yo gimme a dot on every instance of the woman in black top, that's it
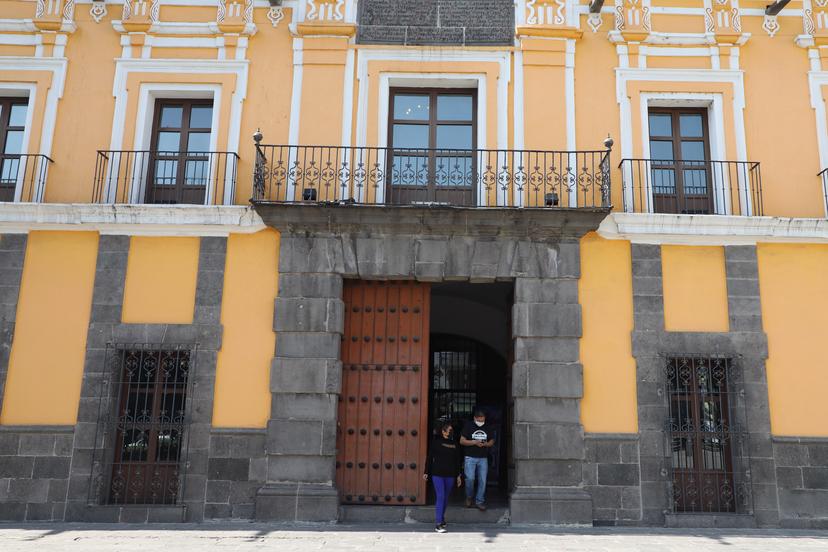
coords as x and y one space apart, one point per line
443 465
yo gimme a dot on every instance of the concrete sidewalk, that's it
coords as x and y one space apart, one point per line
391 538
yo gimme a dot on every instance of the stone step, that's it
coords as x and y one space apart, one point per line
422 514
710 521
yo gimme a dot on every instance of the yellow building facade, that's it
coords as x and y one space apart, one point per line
252 252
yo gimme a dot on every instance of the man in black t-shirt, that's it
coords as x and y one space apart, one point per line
476 438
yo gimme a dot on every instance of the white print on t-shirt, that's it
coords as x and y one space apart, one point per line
479 435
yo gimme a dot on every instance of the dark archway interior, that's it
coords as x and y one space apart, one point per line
470 365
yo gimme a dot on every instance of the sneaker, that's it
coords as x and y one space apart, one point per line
468 502
444 525
481 507
440 529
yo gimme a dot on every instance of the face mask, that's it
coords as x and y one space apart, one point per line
479 424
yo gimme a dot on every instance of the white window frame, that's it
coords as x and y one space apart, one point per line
149 95
28 91
715 125
143 130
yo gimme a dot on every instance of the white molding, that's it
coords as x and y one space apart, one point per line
296 92
502 58
711 229
733 77
123 67
58 67
198 3
388 80
135 220
816 80
569 102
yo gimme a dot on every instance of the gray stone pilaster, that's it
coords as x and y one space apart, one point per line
12 255
802 478
547 385
105 327
305 376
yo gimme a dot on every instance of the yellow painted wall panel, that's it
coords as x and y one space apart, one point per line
605 293
47 356
695 289
793 284
160 280
242 396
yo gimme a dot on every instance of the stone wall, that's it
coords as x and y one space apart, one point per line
12 254
745 344
443 22
236 469
802 477
34 472
612 477
537 249
105 327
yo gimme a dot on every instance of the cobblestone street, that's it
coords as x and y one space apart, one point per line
392 538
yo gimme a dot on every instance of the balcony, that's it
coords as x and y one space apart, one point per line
194 178
431 177
692 187
23 177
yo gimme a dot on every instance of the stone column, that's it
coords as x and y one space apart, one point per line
547 388
12 254
305 384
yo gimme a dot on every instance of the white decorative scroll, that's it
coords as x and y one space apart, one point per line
275 14
98 10
771 25
69 11
722 16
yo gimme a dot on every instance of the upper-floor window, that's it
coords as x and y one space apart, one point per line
431 136
180 161
680 154
12 129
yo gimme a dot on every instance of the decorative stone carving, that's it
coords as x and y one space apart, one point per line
722 17
51 15
594 21
140 15
632 19
325 10
234 16
815 19
98 10
546 12
770 25
275 14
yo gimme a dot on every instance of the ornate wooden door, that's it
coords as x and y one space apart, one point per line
383 411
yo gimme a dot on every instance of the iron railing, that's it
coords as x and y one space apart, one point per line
23 177
692 187
823 174
141 444
196 178
707 435
484 178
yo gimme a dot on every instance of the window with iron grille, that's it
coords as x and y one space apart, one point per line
142 438
706 435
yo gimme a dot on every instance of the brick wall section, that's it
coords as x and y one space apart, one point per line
235 470
802 477
12 254
34 472
105 327
612 478
443 22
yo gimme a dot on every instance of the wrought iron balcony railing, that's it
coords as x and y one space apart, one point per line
385 176
824 175
196 178
23 177
692 187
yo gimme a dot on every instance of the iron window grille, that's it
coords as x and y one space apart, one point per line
142 438
707 436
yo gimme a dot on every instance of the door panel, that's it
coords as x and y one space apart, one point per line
381 430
